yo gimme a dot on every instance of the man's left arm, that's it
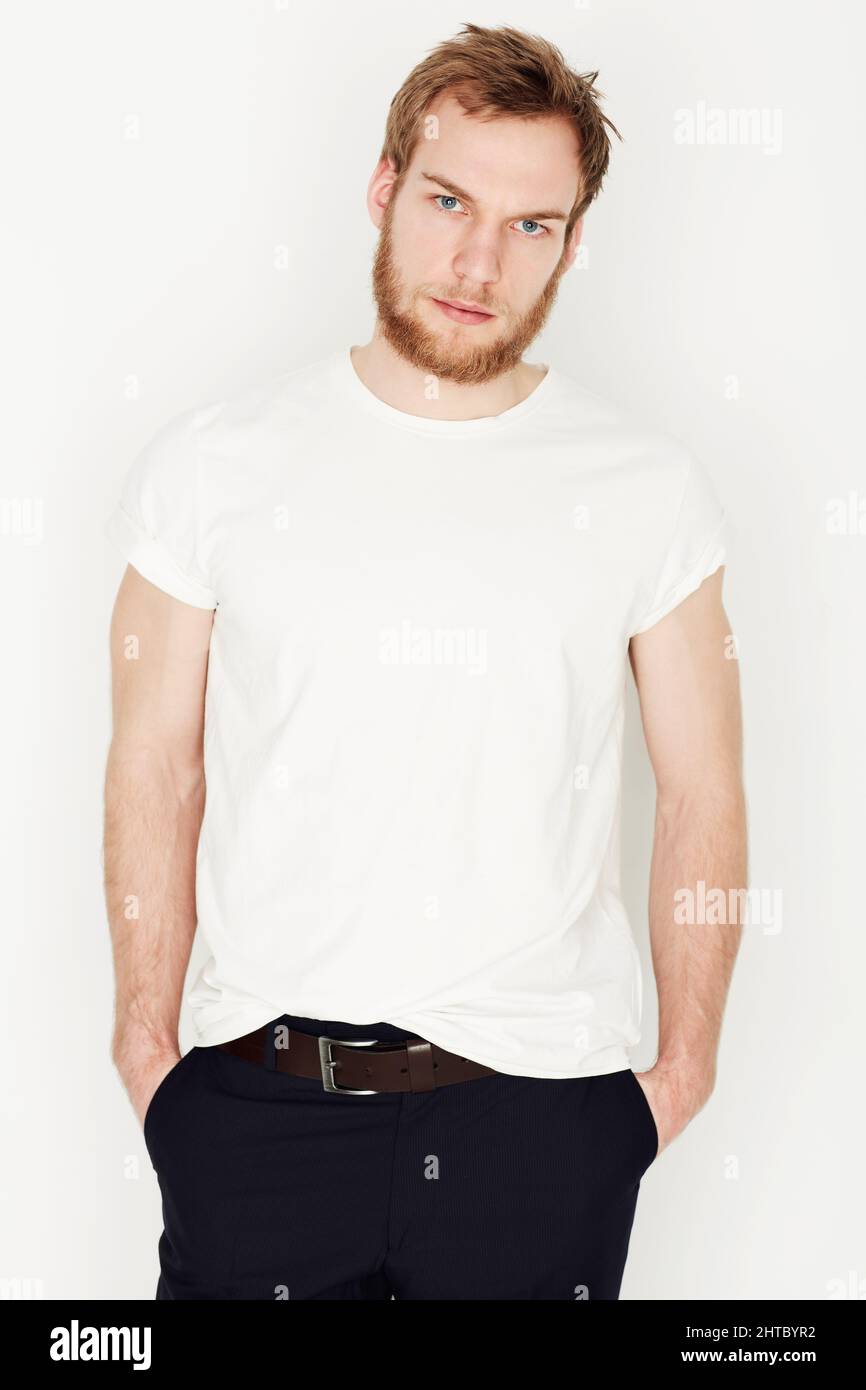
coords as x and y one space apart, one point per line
688 684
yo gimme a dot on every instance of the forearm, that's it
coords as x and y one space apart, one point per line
702 839
152 823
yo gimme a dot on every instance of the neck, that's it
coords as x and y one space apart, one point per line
405 387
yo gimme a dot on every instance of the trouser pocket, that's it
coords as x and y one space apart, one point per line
647 1119
160 1096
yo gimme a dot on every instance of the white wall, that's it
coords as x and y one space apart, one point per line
157 156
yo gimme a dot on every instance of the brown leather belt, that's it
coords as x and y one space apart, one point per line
358 1068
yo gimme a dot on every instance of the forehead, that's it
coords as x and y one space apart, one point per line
505 159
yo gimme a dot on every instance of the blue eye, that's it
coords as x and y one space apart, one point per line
535 234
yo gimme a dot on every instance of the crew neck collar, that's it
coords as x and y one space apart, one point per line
349 381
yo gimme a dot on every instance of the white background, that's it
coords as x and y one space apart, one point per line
162 163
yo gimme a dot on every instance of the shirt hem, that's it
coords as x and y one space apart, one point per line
244 1021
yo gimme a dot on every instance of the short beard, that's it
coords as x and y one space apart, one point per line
409 338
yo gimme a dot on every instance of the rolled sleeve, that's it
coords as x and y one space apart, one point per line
697 549
156 522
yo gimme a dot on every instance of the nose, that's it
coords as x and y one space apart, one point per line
477 263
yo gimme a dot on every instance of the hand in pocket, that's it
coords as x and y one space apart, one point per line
652 1114
143 1076
674 1095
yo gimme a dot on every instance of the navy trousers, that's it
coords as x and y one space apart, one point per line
502 1187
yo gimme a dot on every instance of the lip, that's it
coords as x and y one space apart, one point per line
462 312
461 304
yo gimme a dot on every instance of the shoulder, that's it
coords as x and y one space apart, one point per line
622 438
267 401
650 471
226 427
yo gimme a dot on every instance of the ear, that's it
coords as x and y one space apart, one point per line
379 190
573 243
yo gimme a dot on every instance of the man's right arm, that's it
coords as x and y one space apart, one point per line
154 801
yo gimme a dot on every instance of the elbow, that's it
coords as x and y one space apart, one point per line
717 801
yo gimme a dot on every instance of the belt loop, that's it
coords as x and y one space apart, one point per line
422 1076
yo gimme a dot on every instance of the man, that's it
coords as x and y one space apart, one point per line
382 608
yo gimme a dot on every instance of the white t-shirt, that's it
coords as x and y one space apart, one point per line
415 698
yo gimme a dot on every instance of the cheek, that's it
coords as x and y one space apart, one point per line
413 249
426 251
530 274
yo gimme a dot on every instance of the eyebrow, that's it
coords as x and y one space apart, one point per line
549 215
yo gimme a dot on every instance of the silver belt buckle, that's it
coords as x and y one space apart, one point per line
328 1065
